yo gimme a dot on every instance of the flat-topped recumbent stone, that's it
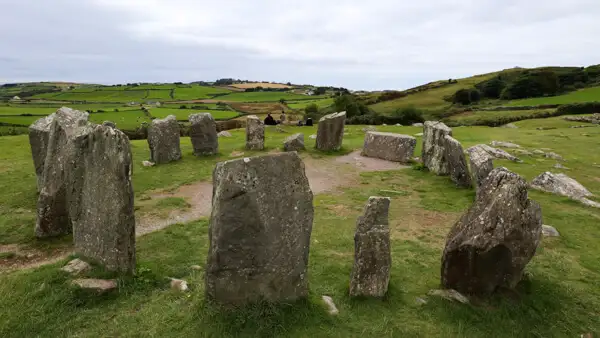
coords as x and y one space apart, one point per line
389 146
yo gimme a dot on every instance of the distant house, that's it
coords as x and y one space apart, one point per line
16 98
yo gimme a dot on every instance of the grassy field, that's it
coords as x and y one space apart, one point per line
582 95
98 96
196 92
263 97
159 95
126 120
302 104
9 110
560 296
183 114
485 117
260 84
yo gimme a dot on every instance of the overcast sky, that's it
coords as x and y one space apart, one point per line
358 44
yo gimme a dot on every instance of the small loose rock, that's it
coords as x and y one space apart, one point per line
549 231
331 308
179 285
76 267
449 294
148 164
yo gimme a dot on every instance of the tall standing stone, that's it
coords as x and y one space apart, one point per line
52 206
101 198
372 256
255 133
39 133
493 241
163 139
203 134
389 146
259 234
434 147
481 164
457 162
330 132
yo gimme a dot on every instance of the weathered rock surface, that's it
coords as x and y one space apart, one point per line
148 164
549 231
510 125
434 147
76 267
255 133
294 143
369 128
389 146
101 198
331 308
109 124
52 206
494 240
449 294
98 285
259 234
554 156
523 152
481 165
163 139
39 133
560 184
594 118
457 163
372 256
495 153
538 152
504 144
179 285
203 134
224 133
330 132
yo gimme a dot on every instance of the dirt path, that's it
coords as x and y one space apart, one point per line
324 175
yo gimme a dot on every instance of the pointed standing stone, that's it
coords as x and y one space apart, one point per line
372 256
101 198
52 206
255 133
481 164
330 132
163 139
203 134
457 163
39 133
259 233
434 147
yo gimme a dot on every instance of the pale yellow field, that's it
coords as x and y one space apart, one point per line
259 84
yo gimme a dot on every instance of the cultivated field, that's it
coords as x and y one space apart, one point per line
260 84
582 95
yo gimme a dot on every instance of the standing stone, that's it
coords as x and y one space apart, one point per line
255 133
52 205
389 146
459 172
434 143
494 240
203 133
39 133
163 139
294 143
372 256
481 164
101 198
259 234
330 132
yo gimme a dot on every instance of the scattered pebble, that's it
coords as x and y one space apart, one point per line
76 267
179 285
148 164
549 231
449 294
332 309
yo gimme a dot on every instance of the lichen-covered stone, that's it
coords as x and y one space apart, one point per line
434 151
389 146
459 172
203 134
39 133
503 144
372 256
101 198
481 165
493 241
294 143
259 233
560 184
255 133
330 132
163 139
52 205
495 152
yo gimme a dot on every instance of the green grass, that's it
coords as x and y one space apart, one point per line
263 97
126 120
19 120
302 104
183 114
159 95
172 203
485 117
195 92
579 96
559 298
113 95
5 110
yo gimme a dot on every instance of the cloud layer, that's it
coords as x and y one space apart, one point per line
376 44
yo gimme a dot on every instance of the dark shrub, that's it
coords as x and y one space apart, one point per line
408 115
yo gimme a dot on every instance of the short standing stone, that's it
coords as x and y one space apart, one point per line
294 143
493 241
259 234
372 255
330 132
101 199
163 139
389 146
481 164
52 205
434 144
255 133
39 133
459 172
203 134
